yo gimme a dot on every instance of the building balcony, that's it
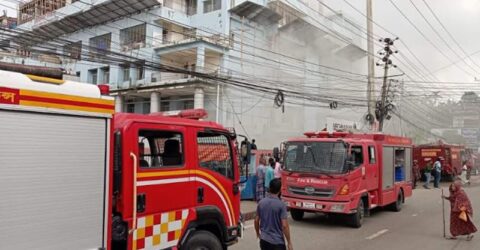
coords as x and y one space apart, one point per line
174 35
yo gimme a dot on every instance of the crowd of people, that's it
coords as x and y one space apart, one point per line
271 224
434 169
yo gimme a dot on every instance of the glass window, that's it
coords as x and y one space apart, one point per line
211 5
157 149
93 75
371 154
357 155
106 75
319 157
125 71
214 153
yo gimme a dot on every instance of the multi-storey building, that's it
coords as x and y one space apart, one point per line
238 49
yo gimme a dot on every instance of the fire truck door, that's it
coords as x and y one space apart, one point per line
217 178
371 168
164 183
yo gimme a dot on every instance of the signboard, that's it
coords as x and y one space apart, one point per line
334 124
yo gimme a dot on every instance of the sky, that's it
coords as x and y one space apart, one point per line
460 17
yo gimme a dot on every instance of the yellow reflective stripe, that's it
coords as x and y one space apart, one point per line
66 97
187 172
65 106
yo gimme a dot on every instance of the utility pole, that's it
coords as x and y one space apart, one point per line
371 66
387 63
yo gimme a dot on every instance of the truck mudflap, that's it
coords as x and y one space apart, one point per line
343 207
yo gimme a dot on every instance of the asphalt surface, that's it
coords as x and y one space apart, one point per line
418 226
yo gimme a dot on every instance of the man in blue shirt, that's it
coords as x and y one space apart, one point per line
269 173
271 222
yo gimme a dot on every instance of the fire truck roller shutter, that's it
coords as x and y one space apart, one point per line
388 168
52 174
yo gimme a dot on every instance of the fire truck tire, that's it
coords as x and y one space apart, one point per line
397 205
297 214
356 219
203 240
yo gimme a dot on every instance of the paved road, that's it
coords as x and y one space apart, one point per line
417 226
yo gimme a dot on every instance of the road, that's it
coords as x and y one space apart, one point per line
417 226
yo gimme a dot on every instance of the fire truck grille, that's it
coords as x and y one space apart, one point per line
308 191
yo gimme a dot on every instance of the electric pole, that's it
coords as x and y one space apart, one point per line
382 111
371 66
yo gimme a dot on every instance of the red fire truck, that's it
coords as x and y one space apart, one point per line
451 156
74 175
346 174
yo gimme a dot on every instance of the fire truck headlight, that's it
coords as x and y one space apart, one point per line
337 208
345 190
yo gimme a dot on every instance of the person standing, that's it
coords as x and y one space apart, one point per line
277 170
271 224
463 175
253 146
469 164
437 170
461 212
416 173
261 169
269 173
428 174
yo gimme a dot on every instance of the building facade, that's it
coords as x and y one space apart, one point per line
229 57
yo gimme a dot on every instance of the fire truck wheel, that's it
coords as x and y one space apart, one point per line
297 214
356 219
397 206
203 240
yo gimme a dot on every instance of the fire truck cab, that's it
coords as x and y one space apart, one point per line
74 175
346 174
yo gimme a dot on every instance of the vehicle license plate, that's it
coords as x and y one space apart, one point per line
308 205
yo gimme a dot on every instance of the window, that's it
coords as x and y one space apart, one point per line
140 73
130 108
357 155
165 36
157 149
125 71
93 76
99 45
214 153
165 104
191 7
188 104
371 155
133 37
73 50
105 73
211 5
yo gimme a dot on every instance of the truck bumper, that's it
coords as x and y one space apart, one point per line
343 207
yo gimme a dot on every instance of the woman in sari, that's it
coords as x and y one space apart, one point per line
461 212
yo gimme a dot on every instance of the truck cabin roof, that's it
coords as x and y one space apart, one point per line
124 119
352 138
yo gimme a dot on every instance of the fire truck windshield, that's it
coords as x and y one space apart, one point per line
316 157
